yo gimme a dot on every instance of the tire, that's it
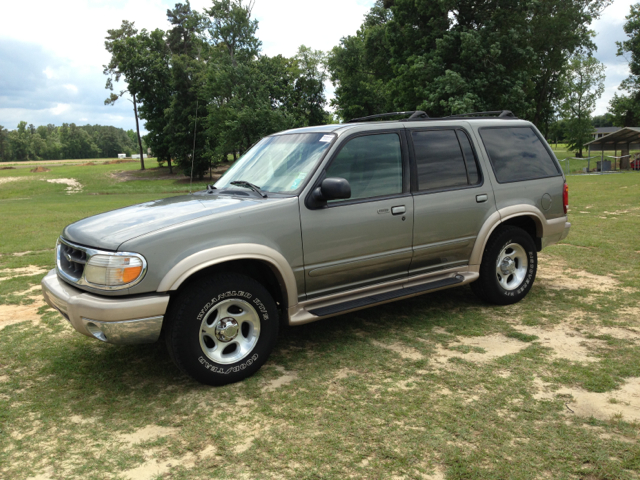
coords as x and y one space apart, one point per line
508 268
222 329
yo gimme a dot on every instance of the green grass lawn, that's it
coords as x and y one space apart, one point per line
438 386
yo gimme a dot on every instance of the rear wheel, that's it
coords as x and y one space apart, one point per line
508 268
222 330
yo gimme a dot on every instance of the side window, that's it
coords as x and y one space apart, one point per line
517 154
371 164
444 159
469 157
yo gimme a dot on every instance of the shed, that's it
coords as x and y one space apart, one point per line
625 139
122 155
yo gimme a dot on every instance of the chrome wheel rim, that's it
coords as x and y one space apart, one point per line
511 266
229 331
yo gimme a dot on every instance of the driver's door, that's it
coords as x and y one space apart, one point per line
366 239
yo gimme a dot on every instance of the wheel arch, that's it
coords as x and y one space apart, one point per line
259 262
527 217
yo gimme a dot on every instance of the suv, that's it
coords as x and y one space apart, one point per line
311 223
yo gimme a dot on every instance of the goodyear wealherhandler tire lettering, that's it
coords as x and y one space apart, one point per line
508 268
222 329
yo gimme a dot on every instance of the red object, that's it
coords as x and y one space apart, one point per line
565 197
635 165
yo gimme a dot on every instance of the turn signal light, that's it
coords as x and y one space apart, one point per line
113 270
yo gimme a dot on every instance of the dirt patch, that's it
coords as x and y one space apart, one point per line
9 273
150 432
285 379
619 332
10 179
22 254
624 402
12 314
554 273
478 349
115 162
73 186
8 168
88 164
406 352
82 420
40 170
565 342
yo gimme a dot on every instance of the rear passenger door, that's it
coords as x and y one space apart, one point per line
452 199
367 238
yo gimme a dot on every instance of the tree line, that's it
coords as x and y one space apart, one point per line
50 142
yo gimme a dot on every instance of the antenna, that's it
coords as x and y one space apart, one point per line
193 155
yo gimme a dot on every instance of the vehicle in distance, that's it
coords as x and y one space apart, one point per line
311 223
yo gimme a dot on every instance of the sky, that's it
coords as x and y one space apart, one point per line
52 53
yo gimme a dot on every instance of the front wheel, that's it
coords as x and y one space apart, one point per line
508 267
222 330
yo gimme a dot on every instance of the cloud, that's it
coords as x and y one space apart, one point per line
39 87
609 29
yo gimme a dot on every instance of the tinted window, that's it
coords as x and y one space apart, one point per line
372 165
517 153
440 161
469 157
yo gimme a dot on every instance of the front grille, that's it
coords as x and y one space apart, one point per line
71 260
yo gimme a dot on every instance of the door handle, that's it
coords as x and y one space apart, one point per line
399 210
482 198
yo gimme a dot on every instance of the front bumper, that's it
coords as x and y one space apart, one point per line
118 320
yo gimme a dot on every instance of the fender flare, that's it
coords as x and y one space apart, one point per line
500 216
186 267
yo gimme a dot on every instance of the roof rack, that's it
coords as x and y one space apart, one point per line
494 113
414 115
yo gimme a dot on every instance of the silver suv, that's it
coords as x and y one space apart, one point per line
312 223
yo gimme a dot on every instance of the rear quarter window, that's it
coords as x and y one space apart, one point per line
517 154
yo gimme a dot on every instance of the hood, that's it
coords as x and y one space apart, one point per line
110 229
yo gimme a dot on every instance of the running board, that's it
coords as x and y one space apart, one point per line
385 297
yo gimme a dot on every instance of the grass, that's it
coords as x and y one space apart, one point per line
332 402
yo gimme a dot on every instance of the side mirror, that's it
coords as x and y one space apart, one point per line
335 188
332 188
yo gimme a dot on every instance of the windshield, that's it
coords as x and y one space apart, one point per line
279 163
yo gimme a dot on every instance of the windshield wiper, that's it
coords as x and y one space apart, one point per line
251 186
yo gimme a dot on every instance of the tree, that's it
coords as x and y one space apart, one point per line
625 108
309 85
231 26
359 67
121 43
605 120
583 85
185 139
4 144
462 55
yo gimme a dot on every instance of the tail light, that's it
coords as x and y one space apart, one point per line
565 197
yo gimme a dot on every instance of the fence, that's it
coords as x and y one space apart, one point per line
602 166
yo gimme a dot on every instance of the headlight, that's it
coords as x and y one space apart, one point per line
113 270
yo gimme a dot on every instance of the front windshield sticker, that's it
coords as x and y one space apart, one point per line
326 138
296 183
